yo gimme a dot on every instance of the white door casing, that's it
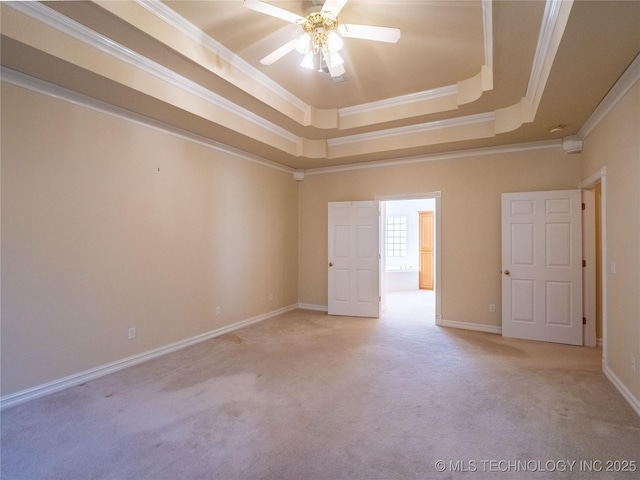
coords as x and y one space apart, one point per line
542 266
589 270
354 259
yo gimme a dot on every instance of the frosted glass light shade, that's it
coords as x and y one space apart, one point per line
334 42
307 61
303 44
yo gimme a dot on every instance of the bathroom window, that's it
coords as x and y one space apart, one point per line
396 236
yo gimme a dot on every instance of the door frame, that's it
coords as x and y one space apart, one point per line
437 257
589 268
587 184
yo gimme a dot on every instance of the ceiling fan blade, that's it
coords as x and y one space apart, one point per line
279 53
368 32
277 12
333 6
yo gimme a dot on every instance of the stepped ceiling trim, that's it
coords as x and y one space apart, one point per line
477 152
45 88
50 17
412 129
509 118
194 66
556 15
181 24
308 112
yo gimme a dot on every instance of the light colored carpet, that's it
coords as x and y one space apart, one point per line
310 396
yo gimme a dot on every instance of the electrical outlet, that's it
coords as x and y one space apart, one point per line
492 308
634 366
132 333
271 297
218 310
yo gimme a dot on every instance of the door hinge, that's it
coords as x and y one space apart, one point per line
584 206
584 263
584 320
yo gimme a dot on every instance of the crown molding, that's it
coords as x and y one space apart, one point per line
55 91
181 24
487 23
302 146
554 21
52 18
411 129
553 24
628 79
436 93
401 101
40 86
520 147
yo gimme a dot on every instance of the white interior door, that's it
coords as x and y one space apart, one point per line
542 266
354 259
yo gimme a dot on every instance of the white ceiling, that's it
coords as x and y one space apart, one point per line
464 74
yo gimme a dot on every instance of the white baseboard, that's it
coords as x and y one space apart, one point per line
471 326
317 308
633 402
78 378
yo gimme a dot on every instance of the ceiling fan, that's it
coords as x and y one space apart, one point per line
322 34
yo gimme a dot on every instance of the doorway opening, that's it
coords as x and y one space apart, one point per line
597 183
592 254
410 266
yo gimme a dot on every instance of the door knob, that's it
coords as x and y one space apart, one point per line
507 272
331 264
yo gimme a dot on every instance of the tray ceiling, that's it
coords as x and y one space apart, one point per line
464 74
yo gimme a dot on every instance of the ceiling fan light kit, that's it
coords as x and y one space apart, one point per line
322 35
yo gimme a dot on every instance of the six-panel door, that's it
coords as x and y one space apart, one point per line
354 259
542 266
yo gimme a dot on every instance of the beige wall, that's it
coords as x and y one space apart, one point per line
615 143
108 224
96 239
470 202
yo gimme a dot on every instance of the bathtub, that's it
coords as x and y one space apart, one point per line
401 278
